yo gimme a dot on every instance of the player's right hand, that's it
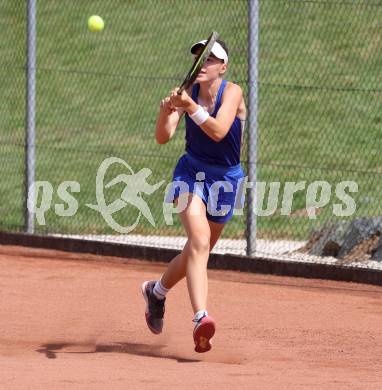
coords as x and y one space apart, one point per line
166 106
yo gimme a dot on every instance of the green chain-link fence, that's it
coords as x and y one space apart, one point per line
98 96
320 100
12 114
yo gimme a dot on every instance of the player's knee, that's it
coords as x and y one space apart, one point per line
199 243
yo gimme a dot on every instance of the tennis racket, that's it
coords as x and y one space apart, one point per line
199 62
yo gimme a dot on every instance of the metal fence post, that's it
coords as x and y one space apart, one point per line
30 134
253 55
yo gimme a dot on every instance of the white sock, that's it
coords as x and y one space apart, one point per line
199 315
160 291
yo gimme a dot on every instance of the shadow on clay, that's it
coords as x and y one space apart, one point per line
52 349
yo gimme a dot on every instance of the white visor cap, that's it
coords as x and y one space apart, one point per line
217 50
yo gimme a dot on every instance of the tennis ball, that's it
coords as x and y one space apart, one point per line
95 23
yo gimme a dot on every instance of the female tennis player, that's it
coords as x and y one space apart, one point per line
215 112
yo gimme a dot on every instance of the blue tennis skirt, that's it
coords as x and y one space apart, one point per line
219 187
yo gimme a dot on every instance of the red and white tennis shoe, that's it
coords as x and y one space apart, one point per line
203 332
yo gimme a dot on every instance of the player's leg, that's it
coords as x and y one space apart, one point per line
177 268
155 292
194 257
196 252
192 261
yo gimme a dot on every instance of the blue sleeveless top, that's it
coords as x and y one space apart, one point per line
200 146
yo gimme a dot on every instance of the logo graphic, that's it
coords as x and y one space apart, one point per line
135 184
221 196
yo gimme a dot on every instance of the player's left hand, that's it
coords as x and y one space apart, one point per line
182 100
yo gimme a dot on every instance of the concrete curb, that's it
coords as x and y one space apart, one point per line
260 265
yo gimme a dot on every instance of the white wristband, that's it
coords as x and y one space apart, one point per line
200 116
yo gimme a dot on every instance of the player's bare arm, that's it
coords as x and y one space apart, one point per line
168 120
216 128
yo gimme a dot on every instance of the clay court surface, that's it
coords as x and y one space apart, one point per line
75 321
